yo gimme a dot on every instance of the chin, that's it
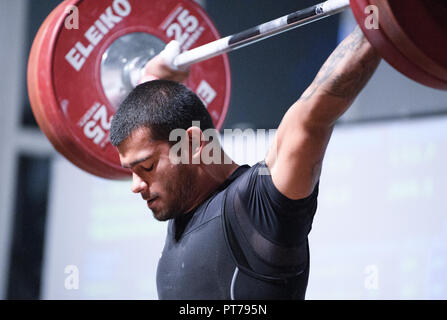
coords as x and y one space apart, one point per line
162 216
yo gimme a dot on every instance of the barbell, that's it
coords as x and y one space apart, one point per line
78 76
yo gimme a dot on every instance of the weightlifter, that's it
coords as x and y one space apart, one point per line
234 232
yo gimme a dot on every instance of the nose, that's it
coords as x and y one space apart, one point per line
138 184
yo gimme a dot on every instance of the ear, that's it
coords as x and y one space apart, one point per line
196 143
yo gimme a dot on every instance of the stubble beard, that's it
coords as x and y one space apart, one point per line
180 191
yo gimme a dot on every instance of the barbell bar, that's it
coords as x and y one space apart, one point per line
117 37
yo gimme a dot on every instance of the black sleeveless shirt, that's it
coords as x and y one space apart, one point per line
246 241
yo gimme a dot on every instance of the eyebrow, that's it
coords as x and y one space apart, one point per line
134 163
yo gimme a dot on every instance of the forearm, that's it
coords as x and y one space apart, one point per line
296 157
339 81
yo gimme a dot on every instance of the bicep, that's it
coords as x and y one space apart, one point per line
296 156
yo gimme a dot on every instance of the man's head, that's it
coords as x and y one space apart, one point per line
161 106
140 130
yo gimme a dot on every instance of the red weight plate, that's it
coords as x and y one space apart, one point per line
389 52
42 99
409 44
424 21
36 89
66 90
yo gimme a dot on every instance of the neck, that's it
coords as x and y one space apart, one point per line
209 178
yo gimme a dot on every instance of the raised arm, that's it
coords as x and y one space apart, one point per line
295 158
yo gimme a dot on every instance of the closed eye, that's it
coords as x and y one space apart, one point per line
148 169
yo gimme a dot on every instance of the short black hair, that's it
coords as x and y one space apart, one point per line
161 106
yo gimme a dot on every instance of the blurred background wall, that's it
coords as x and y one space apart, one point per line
380 231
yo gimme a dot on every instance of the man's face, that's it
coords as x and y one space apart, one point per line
166 187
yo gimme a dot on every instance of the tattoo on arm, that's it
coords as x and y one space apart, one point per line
344 74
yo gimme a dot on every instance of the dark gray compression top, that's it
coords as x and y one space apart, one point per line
246 241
